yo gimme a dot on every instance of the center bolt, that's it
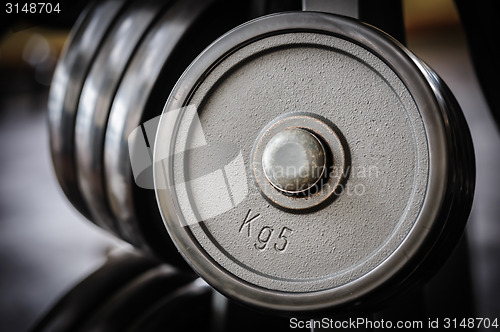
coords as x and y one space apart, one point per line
294 160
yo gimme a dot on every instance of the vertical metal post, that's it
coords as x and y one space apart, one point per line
339 7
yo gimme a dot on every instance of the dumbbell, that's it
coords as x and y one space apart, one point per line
131 292
304 161
308 162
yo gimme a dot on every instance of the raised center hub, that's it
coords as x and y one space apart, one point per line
294 160
298 161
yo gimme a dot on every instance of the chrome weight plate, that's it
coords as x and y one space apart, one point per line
95 102
398 177
76 306
169 47
136 298
187 308
69 76
154 55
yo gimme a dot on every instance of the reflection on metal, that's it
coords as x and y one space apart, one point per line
79 53
134 293
154 61
294 160
96 98
332 176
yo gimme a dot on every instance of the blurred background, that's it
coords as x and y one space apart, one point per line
46 247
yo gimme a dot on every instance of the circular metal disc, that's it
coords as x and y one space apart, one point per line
177 310
95 102
66 87
128 112
394 203
136 298
81 301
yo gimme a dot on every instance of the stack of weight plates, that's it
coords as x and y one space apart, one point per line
115 74
304 161
131 292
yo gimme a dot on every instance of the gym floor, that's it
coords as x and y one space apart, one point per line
46 246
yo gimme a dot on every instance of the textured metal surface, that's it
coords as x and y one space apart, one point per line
403 163
66 87
356 240
95 102
154 55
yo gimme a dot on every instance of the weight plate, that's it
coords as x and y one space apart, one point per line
76 59
79 303
137 297
153 56
407 167
187 308
96 99
170 46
